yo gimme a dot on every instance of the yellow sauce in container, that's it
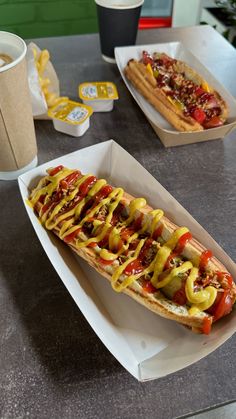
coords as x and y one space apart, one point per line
70 117
99 95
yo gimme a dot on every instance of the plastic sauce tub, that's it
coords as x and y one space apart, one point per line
99 95
70 117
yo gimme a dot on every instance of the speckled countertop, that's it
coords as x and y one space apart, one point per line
52 364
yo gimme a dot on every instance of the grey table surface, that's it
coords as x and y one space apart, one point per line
52 364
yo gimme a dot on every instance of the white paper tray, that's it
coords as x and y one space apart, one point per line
147 345
167 134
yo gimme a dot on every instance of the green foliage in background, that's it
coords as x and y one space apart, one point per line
228 7
41 18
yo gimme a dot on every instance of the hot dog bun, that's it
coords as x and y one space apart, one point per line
169 89
57 215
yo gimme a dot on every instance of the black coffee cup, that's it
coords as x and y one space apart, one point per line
118 24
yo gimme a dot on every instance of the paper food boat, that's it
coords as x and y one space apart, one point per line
147 345
167 134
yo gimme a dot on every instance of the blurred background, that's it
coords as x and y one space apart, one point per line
41 18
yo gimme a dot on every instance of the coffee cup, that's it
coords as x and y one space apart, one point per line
118 24
17 135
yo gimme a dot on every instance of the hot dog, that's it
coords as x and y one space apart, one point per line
138 249
177 91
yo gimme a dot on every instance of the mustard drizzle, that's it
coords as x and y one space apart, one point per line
66 224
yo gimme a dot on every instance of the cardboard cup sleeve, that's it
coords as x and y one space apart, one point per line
17 135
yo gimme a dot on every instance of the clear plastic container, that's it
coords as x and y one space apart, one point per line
71 117
99 95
